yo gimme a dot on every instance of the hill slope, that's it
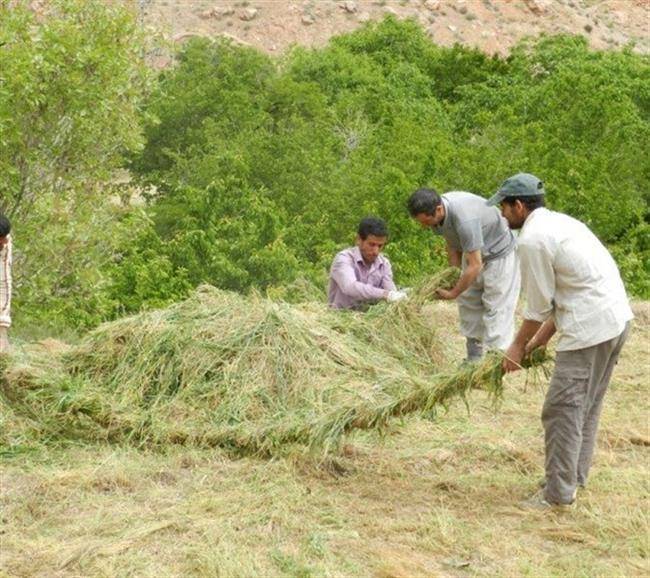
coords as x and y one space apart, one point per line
491 25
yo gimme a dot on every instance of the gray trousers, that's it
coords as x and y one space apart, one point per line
487 307
571 412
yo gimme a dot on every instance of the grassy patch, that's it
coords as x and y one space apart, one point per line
424 498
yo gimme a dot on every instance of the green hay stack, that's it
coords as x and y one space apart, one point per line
244 373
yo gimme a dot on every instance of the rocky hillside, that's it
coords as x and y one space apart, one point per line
491 25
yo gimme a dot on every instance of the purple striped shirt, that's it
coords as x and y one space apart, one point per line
352 282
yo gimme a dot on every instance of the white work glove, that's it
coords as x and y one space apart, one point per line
4 340
394 296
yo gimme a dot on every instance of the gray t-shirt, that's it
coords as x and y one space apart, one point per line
471 225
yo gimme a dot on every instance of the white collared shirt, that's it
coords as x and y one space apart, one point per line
568 273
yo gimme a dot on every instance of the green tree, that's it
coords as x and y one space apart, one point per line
314 141
71 84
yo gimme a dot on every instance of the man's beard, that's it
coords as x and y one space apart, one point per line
516 225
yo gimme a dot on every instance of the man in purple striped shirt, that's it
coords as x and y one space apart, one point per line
361 274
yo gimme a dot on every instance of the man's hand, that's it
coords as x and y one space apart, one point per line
530 346
467 277
394 296
4 340
446 294
542 337
516 351
513 357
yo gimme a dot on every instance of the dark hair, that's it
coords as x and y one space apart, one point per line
5 226
423 201
530 202
372 226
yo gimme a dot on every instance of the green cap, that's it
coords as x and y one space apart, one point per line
520 185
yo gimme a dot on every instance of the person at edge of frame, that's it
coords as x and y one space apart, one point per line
5 282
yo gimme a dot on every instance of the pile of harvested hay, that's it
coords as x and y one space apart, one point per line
243 373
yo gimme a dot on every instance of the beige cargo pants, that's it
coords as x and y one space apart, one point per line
571 412
487 307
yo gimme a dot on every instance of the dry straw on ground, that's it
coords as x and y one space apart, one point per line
244 373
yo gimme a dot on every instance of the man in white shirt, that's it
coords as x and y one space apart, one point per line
5 282
572 285
361 274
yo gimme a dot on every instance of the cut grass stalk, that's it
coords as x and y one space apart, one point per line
245 373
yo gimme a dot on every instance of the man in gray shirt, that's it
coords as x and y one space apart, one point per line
480 242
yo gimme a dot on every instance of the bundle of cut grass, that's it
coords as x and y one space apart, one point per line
246 373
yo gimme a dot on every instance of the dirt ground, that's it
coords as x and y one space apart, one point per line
490 25
430 497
